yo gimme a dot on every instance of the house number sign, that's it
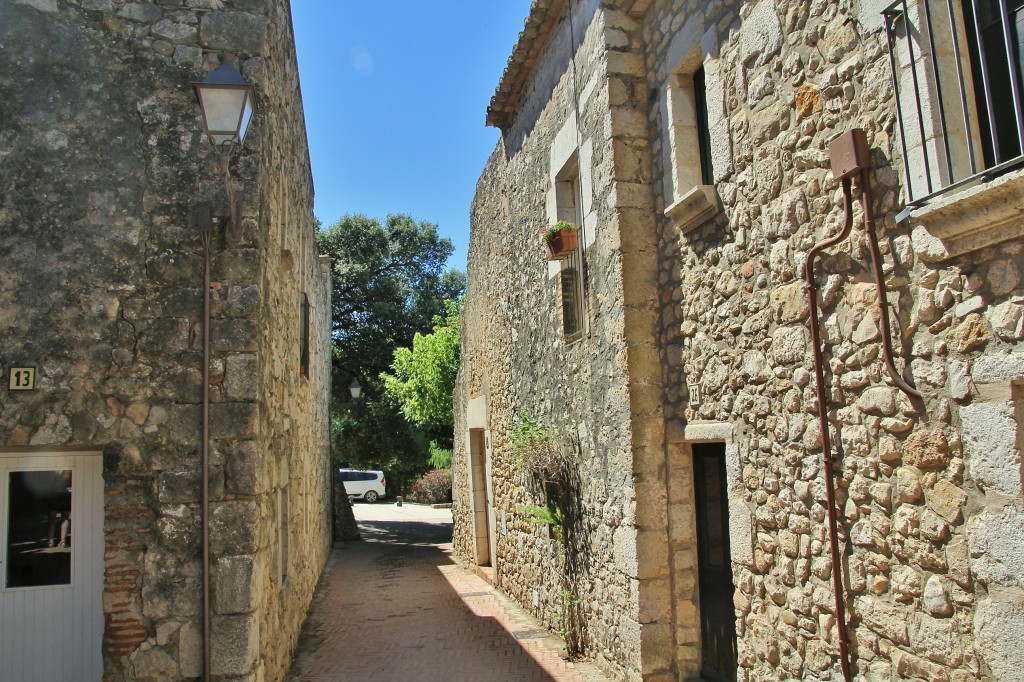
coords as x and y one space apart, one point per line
695 399
22 379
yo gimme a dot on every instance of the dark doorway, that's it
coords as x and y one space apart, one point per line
714 566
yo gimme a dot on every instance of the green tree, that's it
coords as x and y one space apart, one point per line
389 282
423 377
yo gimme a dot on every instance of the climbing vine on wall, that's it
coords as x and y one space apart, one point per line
548 459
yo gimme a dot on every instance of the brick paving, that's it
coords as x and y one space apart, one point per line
395 607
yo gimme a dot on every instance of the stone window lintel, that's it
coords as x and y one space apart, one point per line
694 208
976 217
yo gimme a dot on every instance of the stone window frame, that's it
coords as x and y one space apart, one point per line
741 525
966 212
690 200
304 321
570 197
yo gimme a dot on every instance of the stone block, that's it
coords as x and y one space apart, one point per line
171 584
234 421
234 31
886 619
936 639
179 529
245 468
241 377
908 484
997 546
789 345
1000 630
927 450
151 662
909 666
178 487
241 302
234 334
947 500
235 581
936 596
760 34
990 444
234 644
234 528
656 648
656 600
190 651
183 424
652 554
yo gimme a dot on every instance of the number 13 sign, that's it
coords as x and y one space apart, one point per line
22 379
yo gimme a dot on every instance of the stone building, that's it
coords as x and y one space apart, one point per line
104 172
672 354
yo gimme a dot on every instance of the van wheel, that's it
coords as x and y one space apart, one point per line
371 496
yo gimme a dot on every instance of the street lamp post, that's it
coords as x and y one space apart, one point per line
226 101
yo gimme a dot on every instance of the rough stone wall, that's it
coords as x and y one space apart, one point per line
104 162
512 320
929 494
918 511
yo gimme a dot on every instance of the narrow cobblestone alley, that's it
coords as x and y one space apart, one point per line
394 606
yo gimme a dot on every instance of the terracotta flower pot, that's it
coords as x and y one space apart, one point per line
561 244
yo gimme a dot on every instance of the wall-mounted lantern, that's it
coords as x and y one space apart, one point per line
227 103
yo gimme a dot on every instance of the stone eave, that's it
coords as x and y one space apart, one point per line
541 21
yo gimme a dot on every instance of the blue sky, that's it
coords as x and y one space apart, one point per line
395 95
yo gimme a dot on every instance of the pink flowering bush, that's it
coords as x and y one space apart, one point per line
434 488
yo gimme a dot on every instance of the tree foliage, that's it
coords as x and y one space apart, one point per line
389 282
423 377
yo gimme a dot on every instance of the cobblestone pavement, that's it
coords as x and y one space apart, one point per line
394 607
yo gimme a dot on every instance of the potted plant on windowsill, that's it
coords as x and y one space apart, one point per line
560 239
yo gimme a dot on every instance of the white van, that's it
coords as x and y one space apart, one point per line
363 485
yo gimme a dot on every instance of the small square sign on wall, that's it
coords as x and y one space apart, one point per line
21 379
694 391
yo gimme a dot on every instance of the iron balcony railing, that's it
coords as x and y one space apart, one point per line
957 78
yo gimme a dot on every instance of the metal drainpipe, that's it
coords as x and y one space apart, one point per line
880 290
826 439
206 450
850 156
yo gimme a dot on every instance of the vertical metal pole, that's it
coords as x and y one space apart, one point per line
890 19
826 438
986 85
944 127
917 100
1014 80
206 455
961 83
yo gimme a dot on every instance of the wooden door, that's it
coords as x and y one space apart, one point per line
714 566
51 567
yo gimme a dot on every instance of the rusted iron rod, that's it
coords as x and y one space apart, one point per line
826 439
880 290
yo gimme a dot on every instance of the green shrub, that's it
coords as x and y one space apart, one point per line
435 487
531 444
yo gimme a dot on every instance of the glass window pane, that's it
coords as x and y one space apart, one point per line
38 528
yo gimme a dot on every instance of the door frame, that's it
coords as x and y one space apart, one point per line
82 633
